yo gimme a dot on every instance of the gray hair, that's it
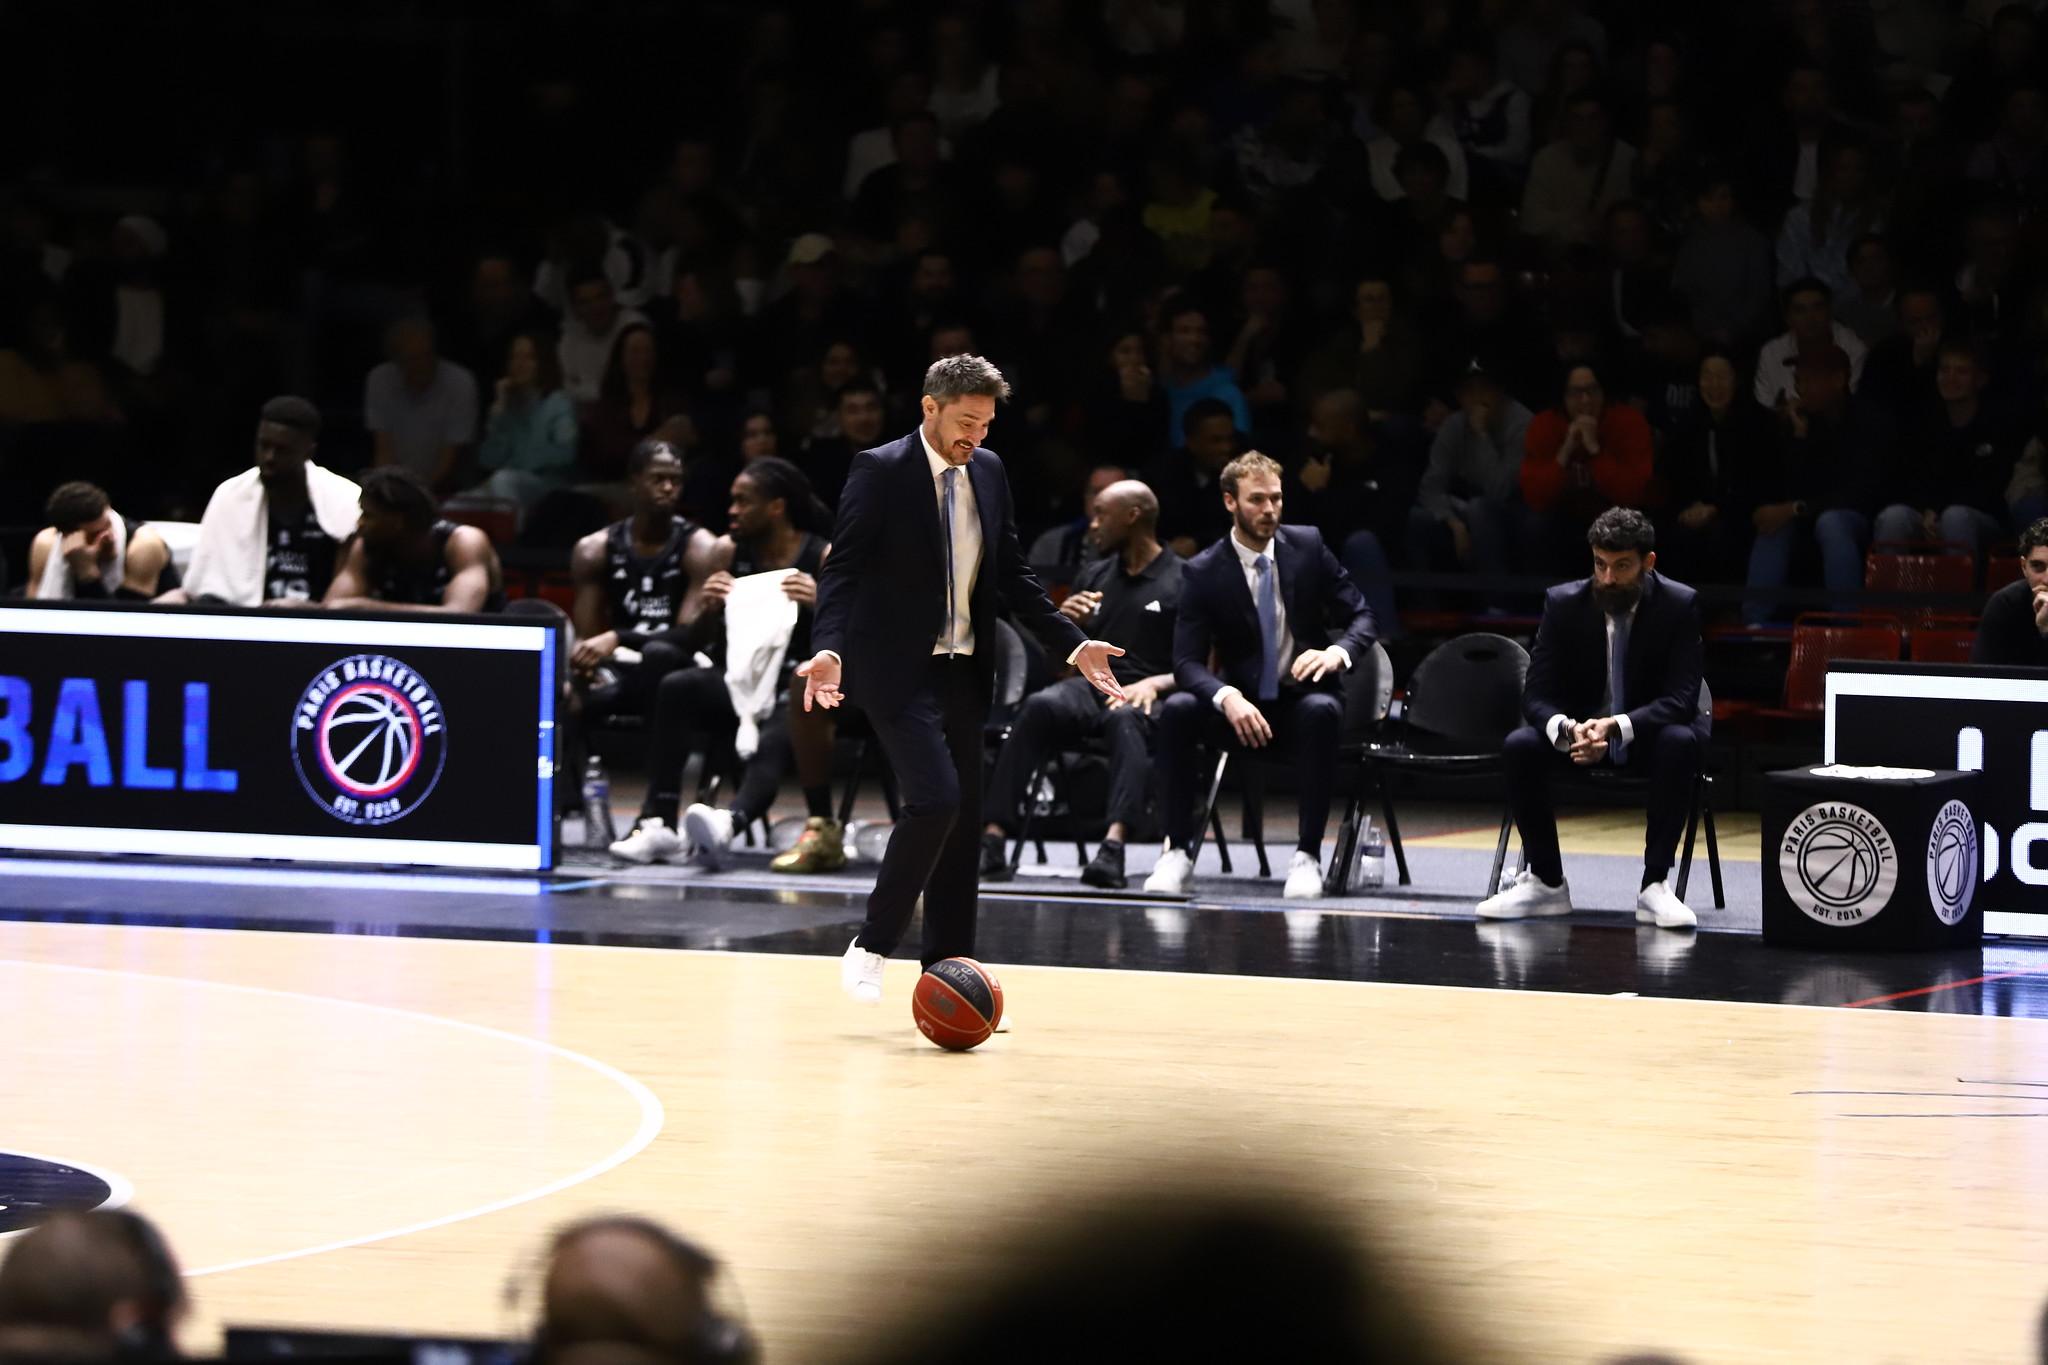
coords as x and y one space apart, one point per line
964 376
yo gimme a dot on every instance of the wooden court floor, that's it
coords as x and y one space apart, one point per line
376 1132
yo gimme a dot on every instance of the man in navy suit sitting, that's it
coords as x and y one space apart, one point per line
924 553
1622 647
1284 621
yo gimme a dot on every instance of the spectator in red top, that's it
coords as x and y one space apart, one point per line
1579 459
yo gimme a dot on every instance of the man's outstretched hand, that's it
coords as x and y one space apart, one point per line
821 680
1092 660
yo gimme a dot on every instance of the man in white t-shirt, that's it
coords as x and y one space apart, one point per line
420 409
594 322
1809 325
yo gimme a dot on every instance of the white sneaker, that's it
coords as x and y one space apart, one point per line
1656 905
1173 874
860 973
1304 878
1528 898
650 841
709 832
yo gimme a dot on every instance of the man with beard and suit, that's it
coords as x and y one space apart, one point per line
1284 621
923 554
1623 648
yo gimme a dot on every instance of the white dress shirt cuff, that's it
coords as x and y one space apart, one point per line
1225 693
1343 654
1558 725
1077 651
834 654
1627 728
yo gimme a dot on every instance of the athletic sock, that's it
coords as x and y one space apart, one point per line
818 801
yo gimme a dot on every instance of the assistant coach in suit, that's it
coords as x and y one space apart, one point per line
1622 647
924 554
1284 621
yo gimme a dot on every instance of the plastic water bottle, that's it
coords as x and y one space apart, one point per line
1372 857
599 833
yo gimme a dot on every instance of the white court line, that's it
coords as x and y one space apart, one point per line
652 1116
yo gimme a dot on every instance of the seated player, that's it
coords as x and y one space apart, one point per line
270 535
1621 648
639 590
91 553
778 526
403 557
2014 628
1285 621
1130 594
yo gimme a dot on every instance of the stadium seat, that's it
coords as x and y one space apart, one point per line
1818 637
1895 567
497 518
1942 639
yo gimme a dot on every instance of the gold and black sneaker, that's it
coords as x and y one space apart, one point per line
819 848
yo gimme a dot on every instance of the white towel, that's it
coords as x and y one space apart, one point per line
234 535
55 585
759 617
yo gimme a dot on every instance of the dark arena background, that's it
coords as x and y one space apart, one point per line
1578 469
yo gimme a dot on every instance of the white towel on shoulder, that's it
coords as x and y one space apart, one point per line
56 586
759 618
234 535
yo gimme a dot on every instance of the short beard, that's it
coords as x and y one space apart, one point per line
1616 600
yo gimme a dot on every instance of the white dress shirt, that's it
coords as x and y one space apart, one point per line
1609 703
958 636
1248 559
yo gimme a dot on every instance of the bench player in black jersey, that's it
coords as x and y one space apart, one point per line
403 557
639 608
777 523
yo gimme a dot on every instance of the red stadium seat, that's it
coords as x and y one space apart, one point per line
1818 637
1942 640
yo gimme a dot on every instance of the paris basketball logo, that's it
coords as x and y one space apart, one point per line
1838 863
369 739
1952 862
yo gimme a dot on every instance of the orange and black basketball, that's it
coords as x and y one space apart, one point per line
957 1003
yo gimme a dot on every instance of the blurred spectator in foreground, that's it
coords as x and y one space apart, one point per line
530 433
271 535
625 1291
91 1286
91 553
420 409
1184 1276
1465 508
1580 458
404 557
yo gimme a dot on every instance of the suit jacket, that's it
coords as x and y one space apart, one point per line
1660 677
1324 608
882 594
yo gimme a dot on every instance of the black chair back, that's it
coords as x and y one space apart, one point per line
1012 666
1368 694
1466 696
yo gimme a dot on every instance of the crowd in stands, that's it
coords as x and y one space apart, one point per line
1470 270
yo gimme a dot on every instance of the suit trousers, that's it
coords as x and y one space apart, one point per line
1061 716
1668 756
1307 724
934 744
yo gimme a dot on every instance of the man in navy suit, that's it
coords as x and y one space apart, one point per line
1284 621
1621 647
924 554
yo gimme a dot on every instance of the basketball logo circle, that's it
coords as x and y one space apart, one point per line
369 739
1952 862
1838 863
